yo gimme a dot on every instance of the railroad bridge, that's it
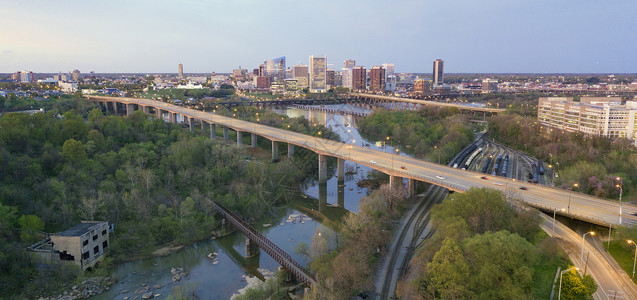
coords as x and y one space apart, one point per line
268 246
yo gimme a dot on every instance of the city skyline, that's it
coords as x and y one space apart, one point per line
215 36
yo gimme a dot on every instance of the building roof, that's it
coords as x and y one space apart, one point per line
81 229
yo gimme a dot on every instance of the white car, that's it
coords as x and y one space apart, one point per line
372 161
440 177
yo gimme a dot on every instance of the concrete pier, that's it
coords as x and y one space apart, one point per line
411 187
290 150
253 140
395 181
213 131
340 170
252 249
225 133
275 151
130 109
239 138
322 161
203 125
190 120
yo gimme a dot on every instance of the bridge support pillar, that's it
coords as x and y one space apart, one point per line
395 181
252 249
203 125
340 170
146 109
157 113
239 138
213 131
130 108
411 187
290 150
253 140
275 151
225 132
190 121
322 168
171 117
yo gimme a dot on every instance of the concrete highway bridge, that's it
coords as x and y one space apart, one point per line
417 104
576 205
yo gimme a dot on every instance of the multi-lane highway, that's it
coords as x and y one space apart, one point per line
427 102
576 205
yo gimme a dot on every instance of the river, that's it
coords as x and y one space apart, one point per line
217 268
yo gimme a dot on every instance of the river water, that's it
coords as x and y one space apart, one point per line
217 268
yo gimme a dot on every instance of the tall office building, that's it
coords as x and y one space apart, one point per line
329 78
275 69
300 73
359 78
24 76
346 77
349 64
76 75
318 76
438 77
181 70
389 70
377 79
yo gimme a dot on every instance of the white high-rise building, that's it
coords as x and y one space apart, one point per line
346 77
318 76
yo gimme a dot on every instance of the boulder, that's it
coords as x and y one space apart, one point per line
148 296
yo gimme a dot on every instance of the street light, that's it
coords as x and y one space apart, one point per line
583 236
575 185
621 190
635 260
559 293
555 211
436 147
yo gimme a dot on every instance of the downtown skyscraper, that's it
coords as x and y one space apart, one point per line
318 76
438 76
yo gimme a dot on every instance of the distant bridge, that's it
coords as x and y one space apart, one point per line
268 246
416 104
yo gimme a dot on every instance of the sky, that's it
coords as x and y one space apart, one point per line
485 36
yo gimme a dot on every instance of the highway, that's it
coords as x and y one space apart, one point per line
610 278
576 205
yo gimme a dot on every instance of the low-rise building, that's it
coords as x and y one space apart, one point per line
605 116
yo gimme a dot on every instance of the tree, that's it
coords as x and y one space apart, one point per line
573 287
449 272
31 227
73 151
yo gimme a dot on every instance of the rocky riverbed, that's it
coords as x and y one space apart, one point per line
90 286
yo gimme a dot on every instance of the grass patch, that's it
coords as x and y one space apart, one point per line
543 277
624 256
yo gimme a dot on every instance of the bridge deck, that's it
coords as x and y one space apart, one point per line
577 205
427 102
268 246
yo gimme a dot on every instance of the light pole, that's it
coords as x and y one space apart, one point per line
552 176
392 157
635 260
584 236
575 185
436 147
621 190
555 211
559 293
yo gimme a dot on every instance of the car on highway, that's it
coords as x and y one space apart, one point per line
498 183
484 177
440 177
524 188
372 161
403 167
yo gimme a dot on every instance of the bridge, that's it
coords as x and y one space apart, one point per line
576 205
414 104
268 246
